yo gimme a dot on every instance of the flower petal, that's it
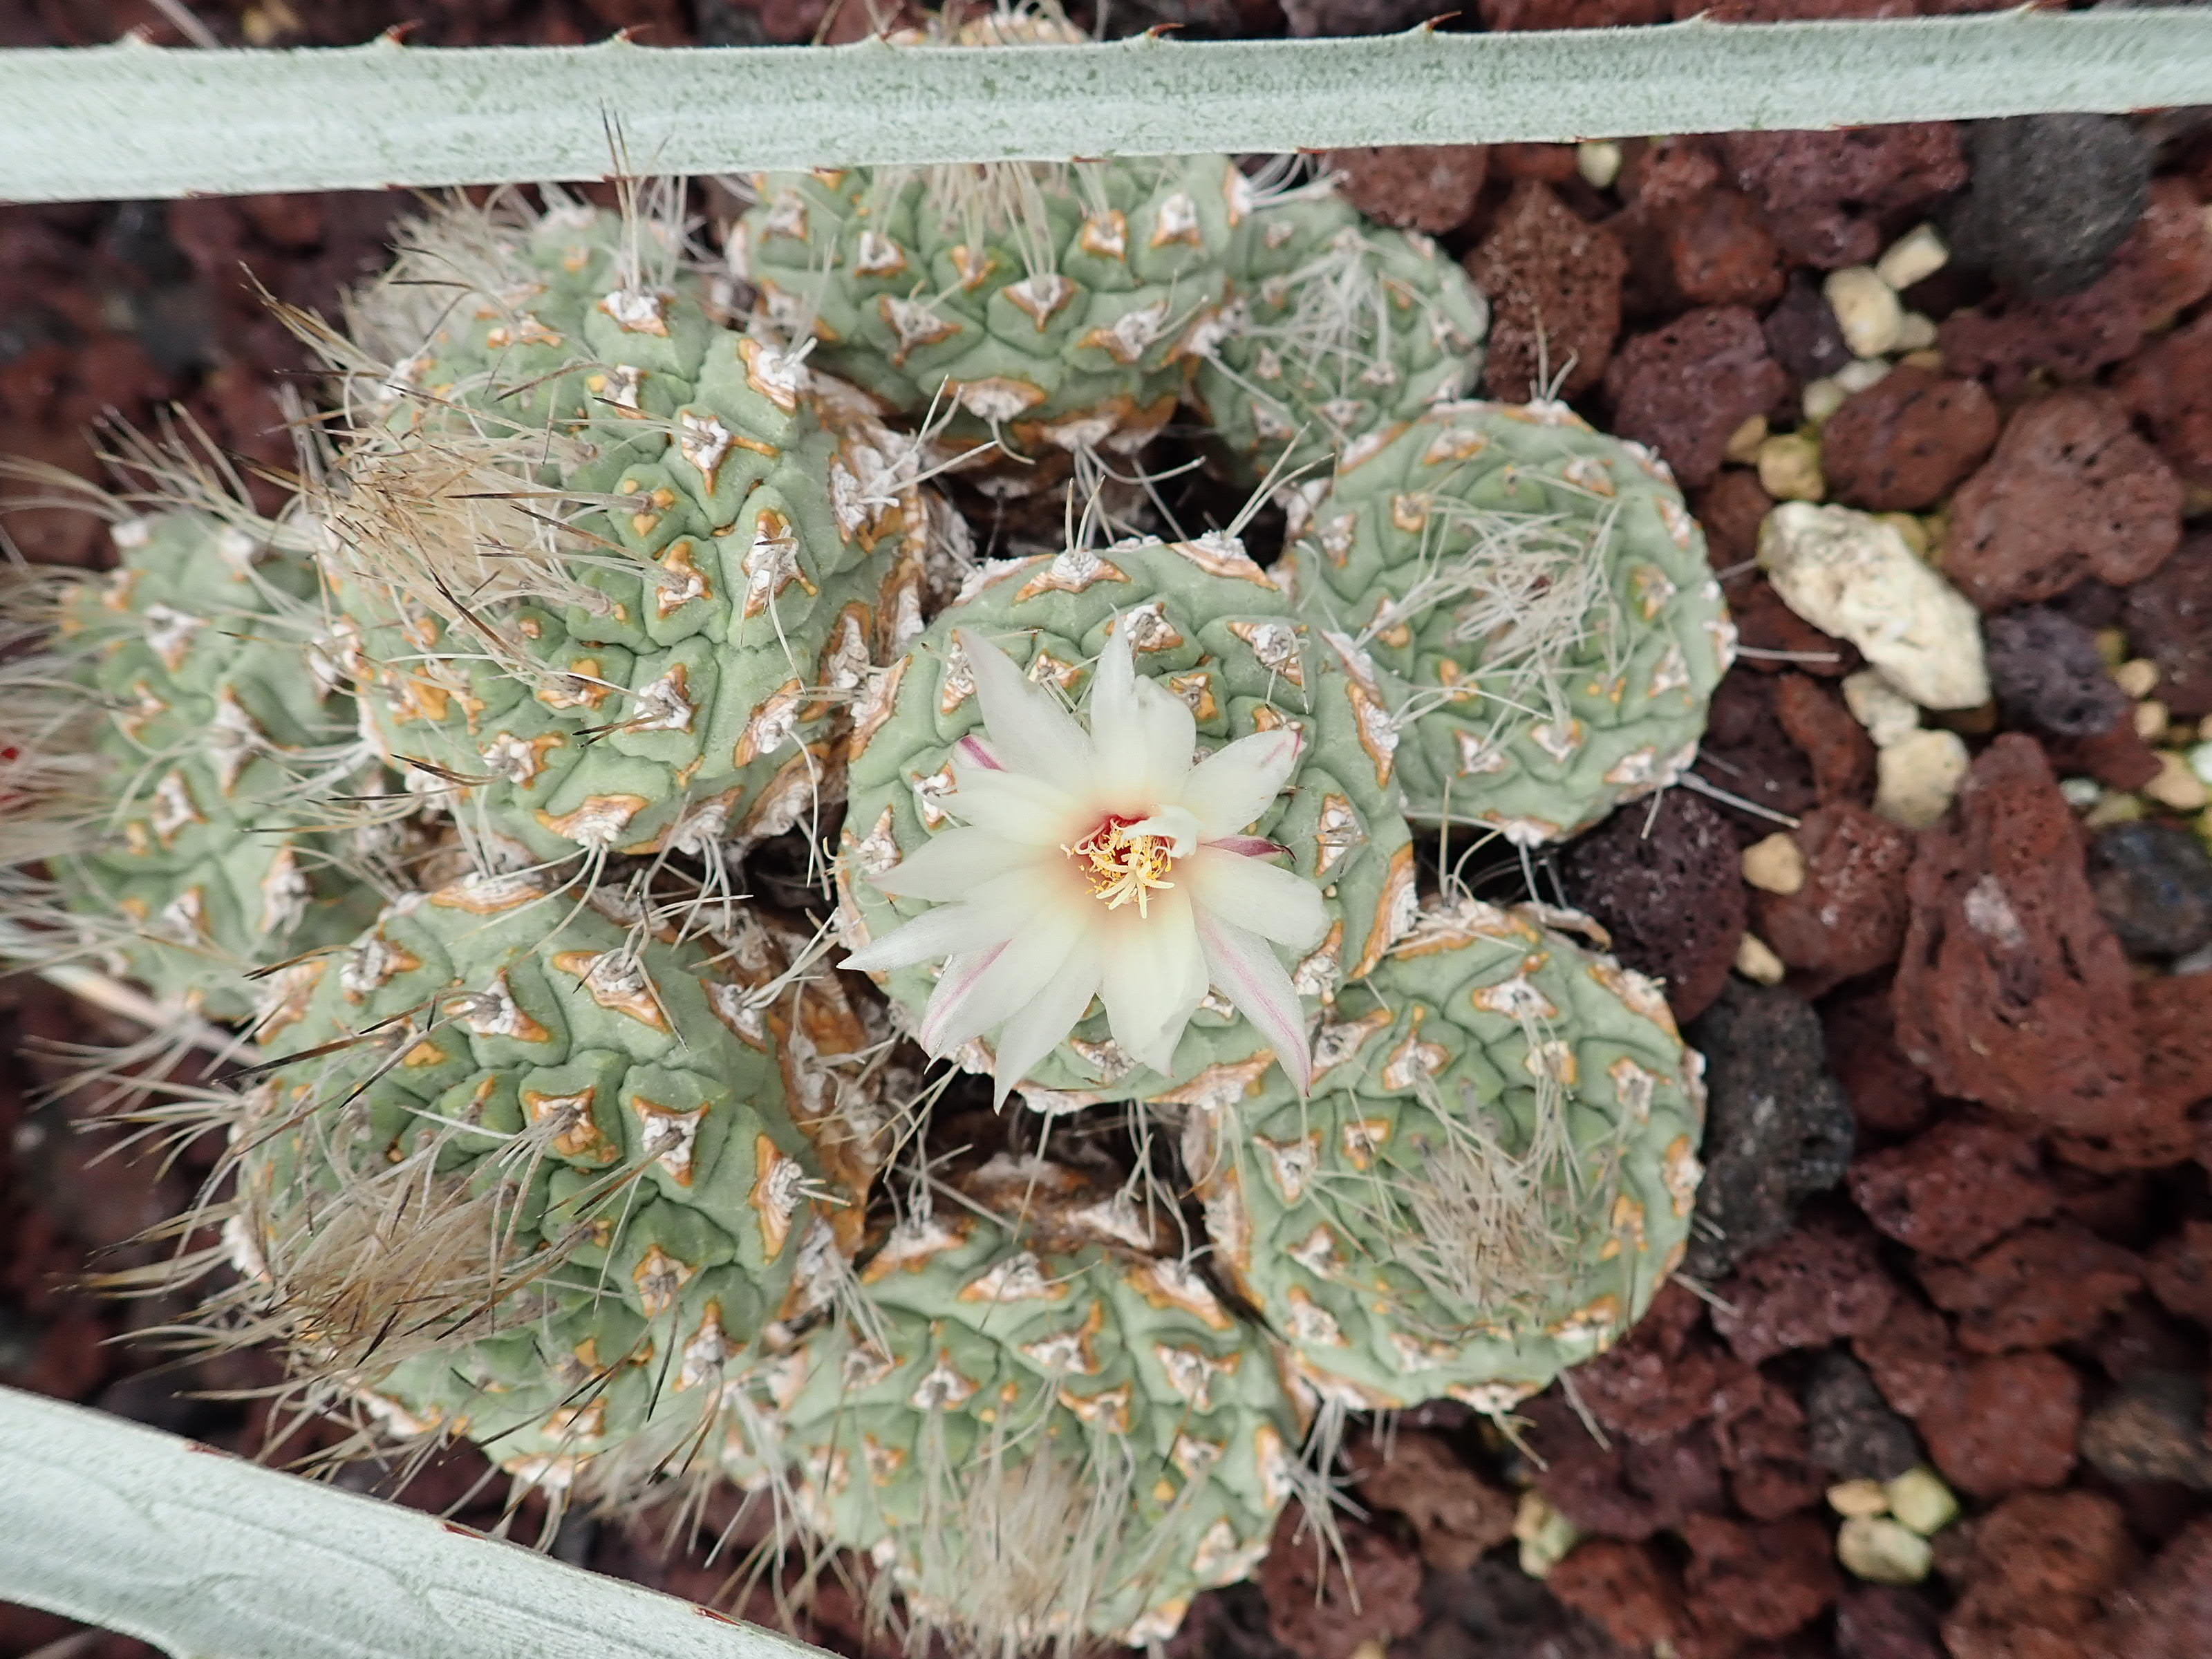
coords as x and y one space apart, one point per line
953 864
1168 732
1262 898
1178 826
1232 788
1014 806
1037 1027
1150 967
1117 730
1030 731
945 930
973 1004
1245 968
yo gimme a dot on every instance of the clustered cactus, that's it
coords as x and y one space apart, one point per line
448 784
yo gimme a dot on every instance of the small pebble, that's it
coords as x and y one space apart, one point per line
1914 257
2137 676
1743 443
1880 1550
1918 778
2177 784
1919 1498
2080 792
2115 808
1887 714
1862 373
1598 160
1916 333
1914 532
1756 961
1546 1535
1927 357
2204 728
1790 468
2199 758
1776 864
1851 576
1371 1648
1859 1498
2151 719
2112 647
1867 309
1821 398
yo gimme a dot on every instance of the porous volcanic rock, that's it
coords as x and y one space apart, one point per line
1956 1189
1905 442
2168 618
1668 886
1553 282
1850 916
1684 388
1426 187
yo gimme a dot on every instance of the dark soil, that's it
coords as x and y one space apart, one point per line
2011 1280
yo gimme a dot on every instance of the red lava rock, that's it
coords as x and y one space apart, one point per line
1888 1094
1311 1609
1570 14
2070 492
1776 639
2164 1612
2009 1427
2118 758
2180 1272
1745 751
2143 1336
2168 618
1683 1469
1954 1190
1912 1357
1730 510
1841 753
1850 916
1428 187
1767 1581
1627 1589
2168 387
1546 164
1663 1376
2152 1429
1824 192
2173 1027
2012 989
1457 1516
1814 1284
2164 266
2040 1561
1885 1621
2047 1284
1553 282
1665 173
1905 442
1766 1446
1684 388
1717 252
1669 887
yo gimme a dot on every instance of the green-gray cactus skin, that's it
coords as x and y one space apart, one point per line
1493 1177
1042 1437
1539 600
758 546
1049 307
1216 631
223 739
1335 328
646 1210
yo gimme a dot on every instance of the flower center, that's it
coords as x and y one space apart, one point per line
1122 868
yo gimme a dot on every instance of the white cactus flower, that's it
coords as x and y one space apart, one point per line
1100 863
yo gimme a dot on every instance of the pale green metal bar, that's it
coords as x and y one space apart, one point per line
211 1557
133 120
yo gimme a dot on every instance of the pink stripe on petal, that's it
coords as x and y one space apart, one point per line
952 990
973 749
1245 968
1250 847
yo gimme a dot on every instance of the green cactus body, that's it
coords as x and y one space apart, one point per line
1050 307
741 544
1540 602
1218 633
221 744
1493 1177
1335 328
571 1139
1044 1439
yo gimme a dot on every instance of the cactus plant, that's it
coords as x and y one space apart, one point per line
614 569
1539 600
597 1169
1493 1175
1052 308
1051 1434
1335 328
178 747
1197 620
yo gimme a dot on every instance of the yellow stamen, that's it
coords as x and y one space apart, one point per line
1122 868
